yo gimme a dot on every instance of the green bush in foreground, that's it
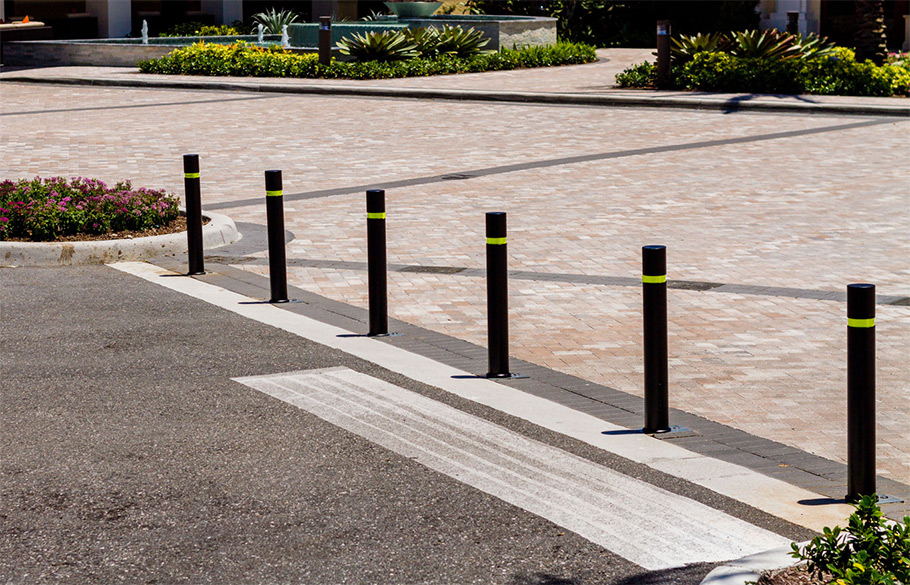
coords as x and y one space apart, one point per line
45 209
837 73
244 60
870 551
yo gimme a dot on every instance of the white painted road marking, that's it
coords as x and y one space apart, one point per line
745 485
645 524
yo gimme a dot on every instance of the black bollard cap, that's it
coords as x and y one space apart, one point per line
376 201
190 163
496 224
654 260
861 301
272 181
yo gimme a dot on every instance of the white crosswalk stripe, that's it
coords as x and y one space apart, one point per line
645 524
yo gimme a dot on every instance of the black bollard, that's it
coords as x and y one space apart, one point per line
654 295
325 40
497 296
193 214
663 54
860 391
274 211
376 263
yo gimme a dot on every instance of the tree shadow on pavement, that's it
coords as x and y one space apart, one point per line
542 579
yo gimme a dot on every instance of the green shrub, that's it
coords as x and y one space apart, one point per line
197 29
45 209
870 551
242 59
838 73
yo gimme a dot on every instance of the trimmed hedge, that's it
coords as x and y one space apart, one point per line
839 74
244 60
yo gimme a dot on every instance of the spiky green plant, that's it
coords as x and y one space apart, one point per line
683 48
388 45
274 20
812 45
460 42
766 44
425 39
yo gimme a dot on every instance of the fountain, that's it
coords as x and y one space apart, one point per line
284 36
145 32
260 34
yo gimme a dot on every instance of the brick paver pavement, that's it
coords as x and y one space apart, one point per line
805 202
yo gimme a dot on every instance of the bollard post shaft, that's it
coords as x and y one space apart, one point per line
325 40
193 214
274 210
663 54
860 391
376 263
654 311
497 296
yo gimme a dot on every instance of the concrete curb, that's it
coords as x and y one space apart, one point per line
220 231
649 99
749 569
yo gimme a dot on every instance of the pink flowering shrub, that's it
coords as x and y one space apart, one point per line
45 209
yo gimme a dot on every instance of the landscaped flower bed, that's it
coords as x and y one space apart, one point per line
770 62
48 209
241 59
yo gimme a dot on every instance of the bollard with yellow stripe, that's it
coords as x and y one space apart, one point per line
274 212
376 264
654 313
860 390
497 296
194 243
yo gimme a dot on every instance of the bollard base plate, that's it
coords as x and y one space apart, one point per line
199 273
392 334
510 376
280 301
882 499
674 432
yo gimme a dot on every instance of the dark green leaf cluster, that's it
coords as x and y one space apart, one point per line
241 59
753 44
870 551
400 45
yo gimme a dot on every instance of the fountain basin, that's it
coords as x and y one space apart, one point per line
503 32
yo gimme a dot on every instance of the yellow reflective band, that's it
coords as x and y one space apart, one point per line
647 279
377 215
191 175
496 241
273 193
862 323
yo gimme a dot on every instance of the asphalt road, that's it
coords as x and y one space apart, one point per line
130 456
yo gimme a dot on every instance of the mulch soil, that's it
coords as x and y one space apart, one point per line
791 576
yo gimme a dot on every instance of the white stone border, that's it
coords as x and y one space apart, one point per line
220 231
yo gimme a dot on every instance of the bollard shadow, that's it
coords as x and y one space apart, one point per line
623 432
468 377
822 501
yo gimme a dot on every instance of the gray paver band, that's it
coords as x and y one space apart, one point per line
133 106
740 289
568 160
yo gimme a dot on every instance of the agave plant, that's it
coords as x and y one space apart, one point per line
378 46
683 48
812 45
274 21
425 39
767 44
460 42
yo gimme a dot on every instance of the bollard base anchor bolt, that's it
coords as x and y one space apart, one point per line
882 499
512 376
674 432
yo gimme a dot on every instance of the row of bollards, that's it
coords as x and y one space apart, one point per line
860 315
